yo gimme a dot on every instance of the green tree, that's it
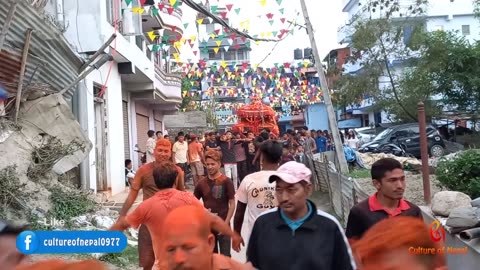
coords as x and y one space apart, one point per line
391 33
188 102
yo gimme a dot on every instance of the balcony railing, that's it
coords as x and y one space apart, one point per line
176 12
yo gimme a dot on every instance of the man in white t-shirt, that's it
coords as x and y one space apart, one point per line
256 194
180 154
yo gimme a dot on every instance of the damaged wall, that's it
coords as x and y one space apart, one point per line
39 119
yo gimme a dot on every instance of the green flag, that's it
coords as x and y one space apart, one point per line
282 10
214 8
128 2
185 25
279 2
154 11
237 10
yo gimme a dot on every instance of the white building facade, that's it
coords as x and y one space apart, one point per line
120 101
446 15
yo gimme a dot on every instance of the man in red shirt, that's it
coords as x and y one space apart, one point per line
144 180
218 196
152 212
389 179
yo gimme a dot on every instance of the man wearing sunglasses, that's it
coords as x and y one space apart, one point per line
10 257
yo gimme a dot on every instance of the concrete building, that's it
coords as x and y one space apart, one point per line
446 15
218 47
118 103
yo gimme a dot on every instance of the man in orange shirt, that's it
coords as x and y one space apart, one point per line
144 180
195 158
152 212
188 243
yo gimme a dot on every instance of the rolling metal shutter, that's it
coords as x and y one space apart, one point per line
126 137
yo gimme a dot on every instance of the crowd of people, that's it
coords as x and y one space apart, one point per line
264 183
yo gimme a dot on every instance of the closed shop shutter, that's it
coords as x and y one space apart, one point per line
142 129
126 138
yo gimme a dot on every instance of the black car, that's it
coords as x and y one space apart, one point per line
408 137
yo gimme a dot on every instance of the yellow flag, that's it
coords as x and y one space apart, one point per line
212 35
223 64
219 42
216 50
257 42
193 38
305 64
151 35
177 44
263 2
200 21
262 34
172 2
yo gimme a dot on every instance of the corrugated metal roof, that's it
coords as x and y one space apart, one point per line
50 60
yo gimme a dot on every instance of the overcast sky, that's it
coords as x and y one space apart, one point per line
326 17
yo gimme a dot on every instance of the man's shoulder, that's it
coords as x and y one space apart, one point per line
327 219
267 215
361 206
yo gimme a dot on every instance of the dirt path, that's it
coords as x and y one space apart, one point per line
414 192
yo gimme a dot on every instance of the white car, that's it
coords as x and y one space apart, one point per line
365 134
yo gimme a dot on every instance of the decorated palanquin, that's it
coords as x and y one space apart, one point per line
255 117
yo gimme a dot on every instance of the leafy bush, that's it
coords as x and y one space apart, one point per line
462 173
69 204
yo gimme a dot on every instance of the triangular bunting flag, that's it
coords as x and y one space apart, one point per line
195 53
199 21
151 35
214 8
269 16
282 20
229 7
263 2
185 25
237 10
279 2
219 42
216 50
226 48
172 2
282 10
128 2
170 10
154 11
271 22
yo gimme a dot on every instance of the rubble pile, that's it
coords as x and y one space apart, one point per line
458 213
41 121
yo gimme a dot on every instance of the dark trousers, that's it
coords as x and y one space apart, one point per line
222 245
185 168
242 170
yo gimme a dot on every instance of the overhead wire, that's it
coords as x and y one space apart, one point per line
115 26
201 9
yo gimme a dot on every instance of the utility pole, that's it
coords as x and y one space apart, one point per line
343 166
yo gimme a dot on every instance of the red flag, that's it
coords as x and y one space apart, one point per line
195 52
269 16
282 20
224 15
229 7
174 28
217 31
233 36
161 6
142 2
170 10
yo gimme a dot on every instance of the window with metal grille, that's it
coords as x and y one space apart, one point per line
466 30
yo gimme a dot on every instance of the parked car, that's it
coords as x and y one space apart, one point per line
408 136
365 134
